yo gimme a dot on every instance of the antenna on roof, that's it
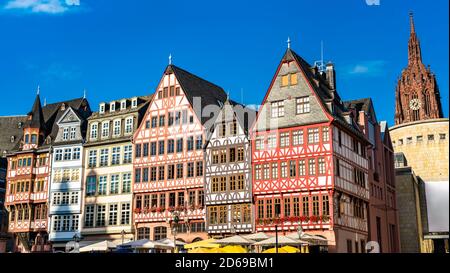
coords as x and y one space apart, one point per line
38 90
320 64
289 42
170 58
84 93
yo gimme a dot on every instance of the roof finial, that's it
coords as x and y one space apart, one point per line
170 58
289 42
38 90
84 93
45 101
411 22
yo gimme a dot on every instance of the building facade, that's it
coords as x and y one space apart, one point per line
228 175
382 214
169 157
108 168
309 159
29 168
421 135
66 183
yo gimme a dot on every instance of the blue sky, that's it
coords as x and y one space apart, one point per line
117 49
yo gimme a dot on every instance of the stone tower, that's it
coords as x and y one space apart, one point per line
417 93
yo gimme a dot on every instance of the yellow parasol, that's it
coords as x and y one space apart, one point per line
273 250
199 250
233 249
290 249
209 243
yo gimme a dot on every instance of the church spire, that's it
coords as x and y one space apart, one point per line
414 52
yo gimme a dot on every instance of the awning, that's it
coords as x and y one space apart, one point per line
282 240
209 243
100 246
235 240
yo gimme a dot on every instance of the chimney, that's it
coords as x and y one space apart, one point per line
331 75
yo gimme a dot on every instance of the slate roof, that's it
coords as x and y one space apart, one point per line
37 116
318 82
10 126
194 86
359 104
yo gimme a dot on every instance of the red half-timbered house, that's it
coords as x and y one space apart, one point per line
28 176
308 159
169 157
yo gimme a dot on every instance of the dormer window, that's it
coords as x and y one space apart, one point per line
34 138
123 105
27 138
102 108
112 107
134 103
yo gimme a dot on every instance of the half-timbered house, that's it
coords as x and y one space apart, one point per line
169 157
228 179
308 159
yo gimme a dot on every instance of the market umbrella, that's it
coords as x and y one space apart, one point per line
291 249
310 238
99 246
273 250
208 243
235 240
233 249
145 244
282 240
170 243
259 236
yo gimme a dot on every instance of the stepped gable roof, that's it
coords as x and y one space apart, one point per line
194 86
11 129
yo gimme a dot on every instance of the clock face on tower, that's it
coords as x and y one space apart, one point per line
414 104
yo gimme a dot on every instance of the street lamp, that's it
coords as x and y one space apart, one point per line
123 235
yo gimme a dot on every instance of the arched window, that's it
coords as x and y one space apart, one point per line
159 233
143 233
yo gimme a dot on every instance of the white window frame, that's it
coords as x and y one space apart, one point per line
94 130
117 126
128 125
105 129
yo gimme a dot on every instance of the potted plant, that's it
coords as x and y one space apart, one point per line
171 209
137 210
304 218
153 209
325 218
314 218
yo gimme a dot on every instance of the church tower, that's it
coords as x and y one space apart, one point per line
417 94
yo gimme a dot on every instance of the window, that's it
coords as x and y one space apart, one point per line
271 141
277 109
162 120
199 142
153 174
215 157
161 171
325 134
312 166
190 143
160 232
297 137
315 205
117 127
101 216
213 215
269 208
274 170
67 154
284 80
325 206
190 169
408 140
233 128
191 198
215 184
162 200
65 134
258 172
91 185
89 216
284 139
112 106
296 206
161 147
222 214
419 138
125 214
123 105
265 171
138 151
180 199
232 182
114 184
105 129
284 169
240 154
76 153
240 182
349 246
430 137
199 168
294 79
259 143
134 103
102 184
180 170
170 146
127 154
302 105
301 167
126 183
129 125
104 157
143 233
292 168
260 209
58 155
313 135
113 210
321 162
115 156
179 145
154 122
305 205
73 134
441 136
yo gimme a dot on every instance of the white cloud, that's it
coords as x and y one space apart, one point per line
41 6
368 68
